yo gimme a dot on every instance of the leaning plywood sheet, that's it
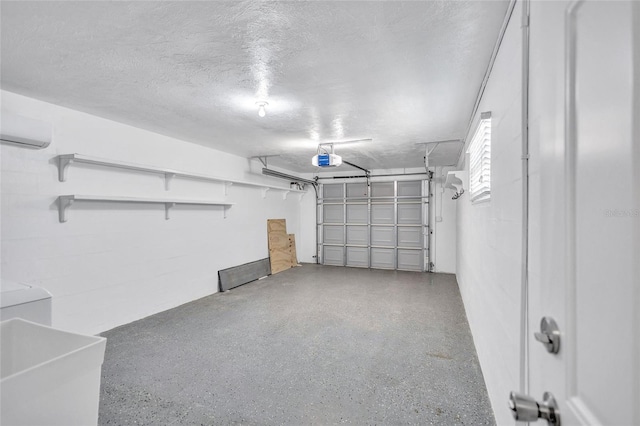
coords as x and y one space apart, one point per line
292 249
280 260
276 226
278 241
279 252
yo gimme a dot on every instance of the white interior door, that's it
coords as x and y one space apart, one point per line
584 246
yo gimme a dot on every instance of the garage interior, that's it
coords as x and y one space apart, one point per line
284 212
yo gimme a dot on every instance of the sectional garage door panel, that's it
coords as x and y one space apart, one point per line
357 235
410 189
333 234
333 213
333 256
383 236
333 191
383 258
357 213
358 257
382 225
382 213
382 189
410 236
409 260
409 213
357 190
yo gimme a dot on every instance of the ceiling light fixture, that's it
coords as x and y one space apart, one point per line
261 111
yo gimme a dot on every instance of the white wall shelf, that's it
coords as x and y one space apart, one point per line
64 201
169 174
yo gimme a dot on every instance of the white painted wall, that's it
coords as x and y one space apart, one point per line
443 223
489 234
114 263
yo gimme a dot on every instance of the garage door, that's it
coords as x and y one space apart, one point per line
383 225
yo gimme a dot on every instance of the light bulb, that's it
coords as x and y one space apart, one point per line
261 110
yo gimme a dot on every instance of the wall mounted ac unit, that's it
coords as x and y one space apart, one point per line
455 180
26 132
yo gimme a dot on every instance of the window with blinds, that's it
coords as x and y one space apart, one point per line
480 160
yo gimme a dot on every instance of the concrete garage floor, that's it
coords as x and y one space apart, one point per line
311 345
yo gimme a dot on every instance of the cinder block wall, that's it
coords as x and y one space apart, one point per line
114 263
490 233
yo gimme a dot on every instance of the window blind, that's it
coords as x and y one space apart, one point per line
480 160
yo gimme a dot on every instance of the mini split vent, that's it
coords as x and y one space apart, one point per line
25 132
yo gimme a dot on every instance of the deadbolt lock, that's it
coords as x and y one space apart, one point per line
526 409
549 335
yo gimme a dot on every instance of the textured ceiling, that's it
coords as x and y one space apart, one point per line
401 73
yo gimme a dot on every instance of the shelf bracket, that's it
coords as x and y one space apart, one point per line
64 201
301 196
167 207
63 164
227 185
167 180
264 192
284 194
226 209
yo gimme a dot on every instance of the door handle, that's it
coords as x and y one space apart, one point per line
549 335
526 409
